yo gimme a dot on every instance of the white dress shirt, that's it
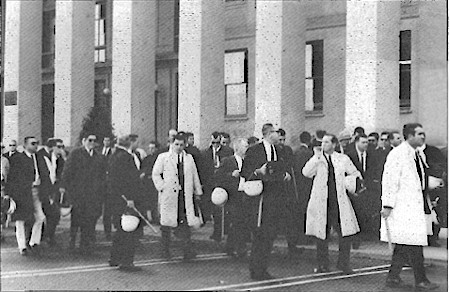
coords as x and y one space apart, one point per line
268 148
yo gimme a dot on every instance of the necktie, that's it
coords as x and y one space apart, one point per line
180 171
36 170
419 169
136 161
272 153
363 167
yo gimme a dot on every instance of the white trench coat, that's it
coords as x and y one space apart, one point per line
165 177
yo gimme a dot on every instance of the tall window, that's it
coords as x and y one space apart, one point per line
48 39
314 76
236 82
405 69
100 35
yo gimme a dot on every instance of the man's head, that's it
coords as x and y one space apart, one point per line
319 134
13 145
107 141
240 146
190 138
329 142
362 142
269 133
414 134
59 146
305 137
89 140
179 141
384 140
252 140
358 131
281 136
172 133
3 147
153 147
225 139
373 139
51 143
344 138
395 139
123 141
30 144
215 140
134 143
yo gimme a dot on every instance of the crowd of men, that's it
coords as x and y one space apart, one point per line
327 183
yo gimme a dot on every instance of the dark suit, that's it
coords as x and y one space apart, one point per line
8 155
107 216
236 207
124 180
151 194
272 201
207 170
83 178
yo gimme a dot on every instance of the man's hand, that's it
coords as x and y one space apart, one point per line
198 197
385 212
262 170
130 204
37 182
236 173
62 190
142 176
287 177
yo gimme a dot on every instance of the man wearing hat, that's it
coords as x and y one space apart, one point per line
124 180
344 138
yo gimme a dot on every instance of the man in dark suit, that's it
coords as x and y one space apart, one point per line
124 181
229 178
151 194
12 149
265 161
25 175
209 163
191 148
106 152
84 181
304 184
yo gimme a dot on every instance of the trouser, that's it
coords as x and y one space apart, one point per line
36 230
238 231
344 246
86 224
52 216
293 221
124 244
408 253
107 217
183 232
218 217
261 249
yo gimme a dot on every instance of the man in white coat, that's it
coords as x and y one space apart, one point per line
329 205
176 179
404 223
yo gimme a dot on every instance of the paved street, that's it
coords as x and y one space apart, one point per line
59 269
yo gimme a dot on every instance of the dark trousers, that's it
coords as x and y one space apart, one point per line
52 216
408 253
238 231
183 232
293 221
344 246
261 248
124 244
107 217
86 225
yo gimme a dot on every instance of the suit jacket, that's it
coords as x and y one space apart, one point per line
304 184
206 164
84 180
124 180
8 156
226 180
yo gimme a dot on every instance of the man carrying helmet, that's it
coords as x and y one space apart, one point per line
176 179
124 181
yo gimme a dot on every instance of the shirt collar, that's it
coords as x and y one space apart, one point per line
121 147
28 153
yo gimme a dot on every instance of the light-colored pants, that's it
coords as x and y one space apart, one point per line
36 231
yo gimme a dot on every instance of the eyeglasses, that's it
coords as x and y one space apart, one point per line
34 143
60 146
11 145
383 139
91 140
215 142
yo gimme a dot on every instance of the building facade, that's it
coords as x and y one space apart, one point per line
206 65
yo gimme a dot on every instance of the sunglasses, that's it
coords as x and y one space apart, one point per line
60 146
92 140
34 143
215 142
11 145
383 139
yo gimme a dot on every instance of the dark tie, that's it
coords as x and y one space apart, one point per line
419 169
362 163
421 176
272 152
180 171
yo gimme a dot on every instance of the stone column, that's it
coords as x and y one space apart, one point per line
430 65
22 83
133 73
280 65
372 65
201 67
74 67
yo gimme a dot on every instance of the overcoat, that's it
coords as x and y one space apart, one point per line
165 178
84 180
402 191
316 214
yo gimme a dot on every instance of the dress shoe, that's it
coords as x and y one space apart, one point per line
321 269
24 252
35 249
215 238
130 268
295 252
113 263
261 276
426 286
190 255
356 244
345 269
395 282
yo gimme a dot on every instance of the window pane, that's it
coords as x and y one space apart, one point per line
101 55
236 96
95 56
318 94
405 85
234 67
309 102
97 11
308 60
97 41
101 36
405 45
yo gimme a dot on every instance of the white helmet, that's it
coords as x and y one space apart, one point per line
219 196
129 223
64 211
253 188
12 206
350 183
434 182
